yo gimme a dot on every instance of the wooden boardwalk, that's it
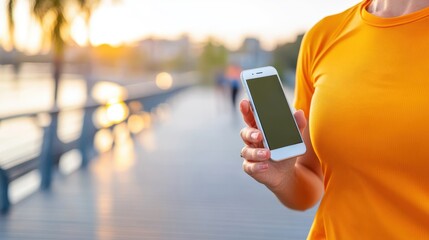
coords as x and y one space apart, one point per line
181 179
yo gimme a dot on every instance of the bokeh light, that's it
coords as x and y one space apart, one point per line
147 119
164 80
121 133
135 106
136 123
117 112
108 92
100 118
103 140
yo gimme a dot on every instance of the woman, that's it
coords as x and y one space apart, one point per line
363 85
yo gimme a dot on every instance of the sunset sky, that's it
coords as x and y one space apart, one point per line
229 21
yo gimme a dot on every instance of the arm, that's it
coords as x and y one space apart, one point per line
297 182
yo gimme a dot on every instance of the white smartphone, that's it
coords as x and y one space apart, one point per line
272 113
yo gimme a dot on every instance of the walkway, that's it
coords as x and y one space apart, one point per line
182 181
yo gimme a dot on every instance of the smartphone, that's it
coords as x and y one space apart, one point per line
272 113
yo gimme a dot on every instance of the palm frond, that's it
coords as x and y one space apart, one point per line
41 8
10 20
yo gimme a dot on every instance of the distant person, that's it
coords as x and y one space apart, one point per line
233 75
222 88
363 86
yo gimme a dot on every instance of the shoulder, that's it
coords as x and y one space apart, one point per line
330 26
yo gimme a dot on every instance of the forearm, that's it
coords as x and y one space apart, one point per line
302 179
300 188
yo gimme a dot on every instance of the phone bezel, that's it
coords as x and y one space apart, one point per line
285 152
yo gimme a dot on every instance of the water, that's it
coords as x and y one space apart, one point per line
32 90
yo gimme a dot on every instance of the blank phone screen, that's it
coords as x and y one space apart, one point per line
273 111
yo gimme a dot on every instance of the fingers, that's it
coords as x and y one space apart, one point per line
251 135
300 120
247 113
252 168
255 154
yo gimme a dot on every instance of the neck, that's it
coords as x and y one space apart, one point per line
396 8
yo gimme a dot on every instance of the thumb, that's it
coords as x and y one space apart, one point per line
300 120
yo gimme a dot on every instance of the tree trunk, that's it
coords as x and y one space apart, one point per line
57 70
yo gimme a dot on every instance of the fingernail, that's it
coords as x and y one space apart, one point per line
254 135
262 166
261 153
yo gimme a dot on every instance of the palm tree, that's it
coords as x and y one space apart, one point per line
53 20
52 17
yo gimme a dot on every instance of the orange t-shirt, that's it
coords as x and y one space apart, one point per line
363 83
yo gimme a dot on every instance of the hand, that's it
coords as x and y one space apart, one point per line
257 162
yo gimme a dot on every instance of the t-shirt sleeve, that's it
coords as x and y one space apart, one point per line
304 87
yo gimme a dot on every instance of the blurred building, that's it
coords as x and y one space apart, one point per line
251 55
161 51
10 57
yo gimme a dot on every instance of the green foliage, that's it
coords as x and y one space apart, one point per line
213 58
181 62
285 55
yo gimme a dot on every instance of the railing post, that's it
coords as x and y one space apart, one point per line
86 140
48 152
4 192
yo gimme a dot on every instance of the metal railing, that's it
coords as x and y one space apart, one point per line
52 147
